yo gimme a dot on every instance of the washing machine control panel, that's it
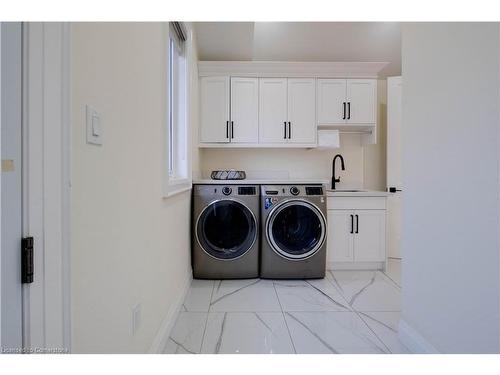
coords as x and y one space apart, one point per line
226 190
314 190
292 190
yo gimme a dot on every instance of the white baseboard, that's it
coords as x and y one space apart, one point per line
413 340
355 266
168 322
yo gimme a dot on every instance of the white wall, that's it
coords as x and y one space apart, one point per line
365 165
450 165
298 163
0 175
129 245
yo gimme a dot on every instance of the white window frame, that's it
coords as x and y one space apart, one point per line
177 184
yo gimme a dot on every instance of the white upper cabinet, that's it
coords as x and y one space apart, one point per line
273 110
287 110
214 111
301 110
347 102
331 101
244 110
361 101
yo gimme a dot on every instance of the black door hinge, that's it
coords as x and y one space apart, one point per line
27 260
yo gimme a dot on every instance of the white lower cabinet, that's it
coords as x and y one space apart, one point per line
356 235
369 236
340 238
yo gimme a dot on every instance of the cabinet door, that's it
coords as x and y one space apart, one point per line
340 239
331 99
302 110
214 111
272 110
369 236
362 101
244 110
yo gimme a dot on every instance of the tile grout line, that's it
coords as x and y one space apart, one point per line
334 282
325 294
372 331
284 318
356 311
369 317
336 285
390 279
206 319
365 323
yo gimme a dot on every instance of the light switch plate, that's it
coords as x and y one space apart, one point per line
94 126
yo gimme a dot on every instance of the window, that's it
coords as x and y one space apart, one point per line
178 147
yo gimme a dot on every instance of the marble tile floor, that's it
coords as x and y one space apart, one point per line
393 270
347 312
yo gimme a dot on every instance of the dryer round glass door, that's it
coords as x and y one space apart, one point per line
296 229
226 229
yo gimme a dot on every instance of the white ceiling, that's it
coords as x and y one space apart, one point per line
301 41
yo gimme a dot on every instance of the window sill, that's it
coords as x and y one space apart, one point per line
176 189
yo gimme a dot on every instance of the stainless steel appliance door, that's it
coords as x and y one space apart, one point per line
226 229
296 229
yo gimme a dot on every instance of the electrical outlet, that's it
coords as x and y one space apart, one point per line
136 318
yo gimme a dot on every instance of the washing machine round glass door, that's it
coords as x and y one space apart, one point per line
296 229
226 229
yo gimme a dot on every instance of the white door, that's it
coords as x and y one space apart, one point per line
369 235
394 119
11 186
273 110
340 237
331 101
361 101
302 110
244 110
214 111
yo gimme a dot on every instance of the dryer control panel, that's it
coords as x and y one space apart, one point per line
226 190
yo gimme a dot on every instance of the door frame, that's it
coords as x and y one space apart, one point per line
0 175
10 256
46 191
392 82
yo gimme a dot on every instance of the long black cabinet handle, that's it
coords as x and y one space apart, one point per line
343 116
348 110
357 224
284 128
289 130
227 129
352 223
232 129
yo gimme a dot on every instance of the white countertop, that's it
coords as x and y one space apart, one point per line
341 192
266 181
359 193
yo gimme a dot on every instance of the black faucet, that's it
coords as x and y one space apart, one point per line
334 180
